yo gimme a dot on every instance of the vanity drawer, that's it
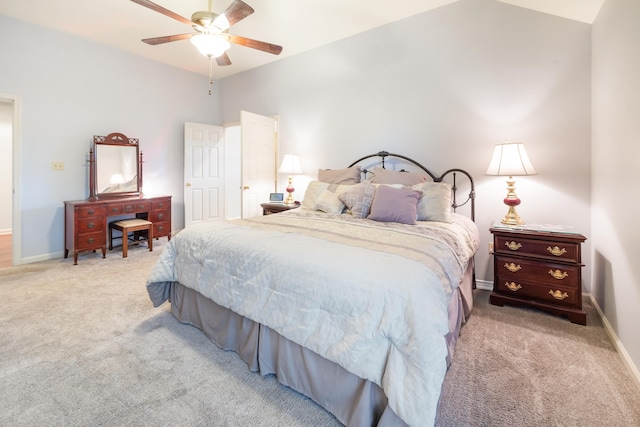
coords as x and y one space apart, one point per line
90 211
161 204
547 248
136 206
88 241
159 215
161 229
525 269
548 293
114 209
90 225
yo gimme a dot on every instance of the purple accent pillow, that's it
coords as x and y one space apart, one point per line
395 205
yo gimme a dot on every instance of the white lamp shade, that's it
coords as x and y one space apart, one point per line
510 159
290 165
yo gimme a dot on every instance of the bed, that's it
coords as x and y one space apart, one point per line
355 299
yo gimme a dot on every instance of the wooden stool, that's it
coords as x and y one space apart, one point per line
136 225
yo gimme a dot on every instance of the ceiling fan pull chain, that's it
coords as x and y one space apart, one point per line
210 73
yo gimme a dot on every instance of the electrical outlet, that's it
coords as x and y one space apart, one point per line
57 166
490 248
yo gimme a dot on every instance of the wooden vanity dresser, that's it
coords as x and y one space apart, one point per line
86 221
540 269
115 190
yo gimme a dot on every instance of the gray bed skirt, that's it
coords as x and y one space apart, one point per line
351 399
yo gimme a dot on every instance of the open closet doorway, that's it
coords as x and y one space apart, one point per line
10 247
251 146
230 171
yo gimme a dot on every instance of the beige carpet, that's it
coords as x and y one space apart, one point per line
82 345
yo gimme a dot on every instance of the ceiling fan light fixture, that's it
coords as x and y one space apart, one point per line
203 18
221 22
210 45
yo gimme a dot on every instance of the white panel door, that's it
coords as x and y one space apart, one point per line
203 173
259 142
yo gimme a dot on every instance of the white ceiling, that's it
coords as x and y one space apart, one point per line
297 25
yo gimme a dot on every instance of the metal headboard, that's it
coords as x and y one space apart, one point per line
471 197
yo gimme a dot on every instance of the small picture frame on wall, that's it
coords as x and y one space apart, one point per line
276 197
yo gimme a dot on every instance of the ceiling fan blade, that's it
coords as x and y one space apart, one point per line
157 8
223 60
255 44
166 39
237 11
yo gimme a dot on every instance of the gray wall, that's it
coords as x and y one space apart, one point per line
72 89
616 170
444 87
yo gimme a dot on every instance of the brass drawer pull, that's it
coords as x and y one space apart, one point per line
513 245
91 225
160 216
558 274
90 240
512 267
556 250
90 211
558 295
513 286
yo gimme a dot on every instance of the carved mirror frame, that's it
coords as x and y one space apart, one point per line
109 157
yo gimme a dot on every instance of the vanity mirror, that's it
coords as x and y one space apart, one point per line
115 167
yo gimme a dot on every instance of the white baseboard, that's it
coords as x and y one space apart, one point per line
633 369
43 257
485 285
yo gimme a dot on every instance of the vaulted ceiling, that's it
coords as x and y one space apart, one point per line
297 25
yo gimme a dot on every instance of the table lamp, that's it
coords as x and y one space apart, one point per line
510 159
290 165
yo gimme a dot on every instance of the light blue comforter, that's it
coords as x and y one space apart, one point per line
371 297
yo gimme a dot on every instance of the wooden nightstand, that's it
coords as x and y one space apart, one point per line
272 208
538 268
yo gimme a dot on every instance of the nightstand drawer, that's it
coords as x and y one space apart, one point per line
548 249
538 268
538 292
523 269
274 208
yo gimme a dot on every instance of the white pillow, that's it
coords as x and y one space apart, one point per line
435 203
315 188
329 202
312 192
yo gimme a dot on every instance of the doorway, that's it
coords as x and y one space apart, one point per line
9 163
229 170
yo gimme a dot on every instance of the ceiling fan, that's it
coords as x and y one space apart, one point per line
211 37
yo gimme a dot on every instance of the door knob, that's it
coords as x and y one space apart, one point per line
188 184
246 187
